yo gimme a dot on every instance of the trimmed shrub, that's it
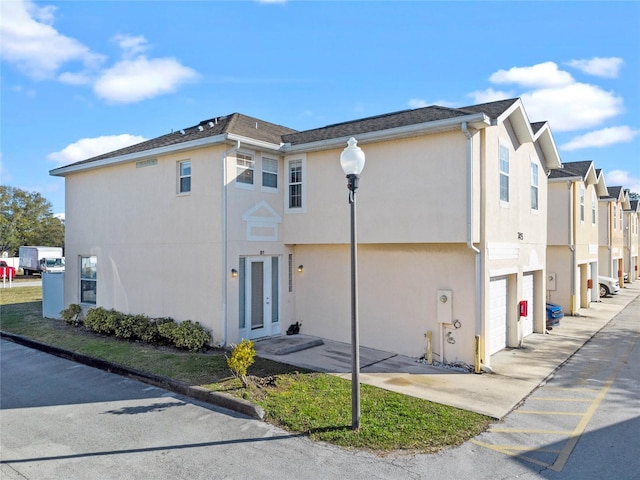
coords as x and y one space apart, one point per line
190 336
98 319
72 315
242 357
166 327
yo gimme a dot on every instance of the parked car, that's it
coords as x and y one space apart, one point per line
554 314
608 286
6 271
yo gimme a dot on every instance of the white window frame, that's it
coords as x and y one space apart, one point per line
267 170
245 162
581 203
183 176
504 174
302 182
593 206
84 279
615 217
535 187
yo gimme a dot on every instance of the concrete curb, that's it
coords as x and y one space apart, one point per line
219 399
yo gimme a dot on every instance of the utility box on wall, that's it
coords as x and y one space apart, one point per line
52 295
551 281
444 309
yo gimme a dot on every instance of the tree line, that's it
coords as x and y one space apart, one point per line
26 218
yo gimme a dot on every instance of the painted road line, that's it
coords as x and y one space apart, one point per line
558 399
512 452
562 459
530 430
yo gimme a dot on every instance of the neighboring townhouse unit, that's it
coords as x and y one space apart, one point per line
631 240
572 235
611 233
243 226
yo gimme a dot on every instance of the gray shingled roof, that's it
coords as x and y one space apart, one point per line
256 129
614 192
401 118
572 169
235 123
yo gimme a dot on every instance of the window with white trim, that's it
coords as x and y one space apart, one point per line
88 279
504 173
269 173
534 186
615 216
582 203
184 176
593 206
295 184
245 165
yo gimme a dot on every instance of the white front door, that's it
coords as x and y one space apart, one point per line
260 298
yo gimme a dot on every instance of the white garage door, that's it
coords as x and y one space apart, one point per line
527 294
498 315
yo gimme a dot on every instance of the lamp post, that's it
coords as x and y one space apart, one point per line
352 162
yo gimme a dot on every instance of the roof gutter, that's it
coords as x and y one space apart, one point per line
156 152
477 120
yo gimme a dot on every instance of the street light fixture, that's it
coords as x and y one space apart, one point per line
352 162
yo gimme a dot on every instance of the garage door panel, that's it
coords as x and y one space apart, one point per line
498 315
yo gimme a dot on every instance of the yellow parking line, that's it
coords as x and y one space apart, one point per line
507 451
555 399
562 459
572 389
528 430
545 412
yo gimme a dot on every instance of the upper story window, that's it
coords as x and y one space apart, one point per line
582 203
504 173
245 165
615 216
184 177
88 279
269 173
295 184
534 186
594 202
620 216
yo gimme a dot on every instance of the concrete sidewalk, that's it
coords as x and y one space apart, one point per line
516 371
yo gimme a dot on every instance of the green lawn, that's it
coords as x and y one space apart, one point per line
299 401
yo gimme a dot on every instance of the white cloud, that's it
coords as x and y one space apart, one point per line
601 138
131 45
490 95
598 66
624 178
33 45
542 75
131 81
90 147
572 107
417 103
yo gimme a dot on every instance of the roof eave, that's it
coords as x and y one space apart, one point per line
476 120
154 152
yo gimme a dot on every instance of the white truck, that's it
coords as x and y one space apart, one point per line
41 259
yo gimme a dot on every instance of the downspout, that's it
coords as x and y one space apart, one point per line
473 248
225 262
572 247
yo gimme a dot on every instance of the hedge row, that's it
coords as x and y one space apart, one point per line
158 331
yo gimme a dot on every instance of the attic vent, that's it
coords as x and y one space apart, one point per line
200 127
181 132
256 125
210 124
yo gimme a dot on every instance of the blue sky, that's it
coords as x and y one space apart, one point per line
80 78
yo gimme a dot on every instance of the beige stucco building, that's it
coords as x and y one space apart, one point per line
243 226
572 235
631 216
611 233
